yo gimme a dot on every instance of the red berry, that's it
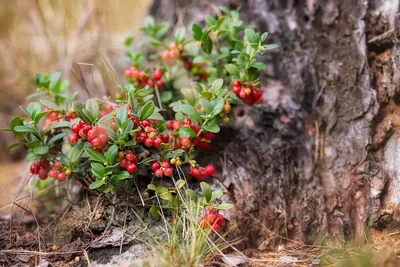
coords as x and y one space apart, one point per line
82 133
103 138
155 165
176 125
131 157
61 176
96 143
146 123
158 173
236 83
170 124
165 164
75 128
141 137
157 74
57 166
123 163
53 173
211 217
42 174
92 133
150 83
165 137
185 141
242 94
216 227
220 219
160 83
87 128
73 138
53 116
188 65
168 172
108 108
44 162
131 168
210 169
35 168
157 142
148 142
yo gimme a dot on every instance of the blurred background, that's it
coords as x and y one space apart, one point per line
50 35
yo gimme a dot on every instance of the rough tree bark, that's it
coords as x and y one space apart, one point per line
322 154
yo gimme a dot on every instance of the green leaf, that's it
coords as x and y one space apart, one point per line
54 80
207 44
155 212
76 151
217 104
107 188
190 111
186 132
31 156
207 108
60 124
95 155
224 206
259 65
232 69
33 144
16 121
166 96
152 187
197 32
207 192
78 108
217 194
14 145
41 150
98 169
39 115
211 127
128 40
217 84
93 107
56 137
34 108
210 20
111 155
270 46
49 104
180 35
147 110
191 194
96 184
180 183
25 129
120 176
133 101
251 35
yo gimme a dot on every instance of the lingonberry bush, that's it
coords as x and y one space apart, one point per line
176 95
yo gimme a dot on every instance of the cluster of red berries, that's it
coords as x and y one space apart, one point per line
170 55
128 160
148 136
212 220
161 168
249 94
43 169
201 173
54 116
96 136
202 141
142 79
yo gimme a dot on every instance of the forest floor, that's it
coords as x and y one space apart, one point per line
73 235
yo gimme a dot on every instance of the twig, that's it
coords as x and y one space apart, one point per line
381 36
87 258
24 251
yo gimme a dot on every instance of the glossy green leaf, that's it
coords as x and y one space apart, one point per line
95 155
111 155
41 150
197 32
186 132
207 192
147 110
120 176
190 111
96 184
251 35
93 107
224 206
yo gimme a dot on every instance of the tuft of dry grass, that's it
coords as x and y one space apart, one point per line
51 35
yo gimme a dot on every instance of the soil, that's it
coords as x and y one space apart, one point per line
72 235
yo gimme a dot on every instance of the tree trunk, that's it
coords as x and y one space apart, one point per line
322 154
